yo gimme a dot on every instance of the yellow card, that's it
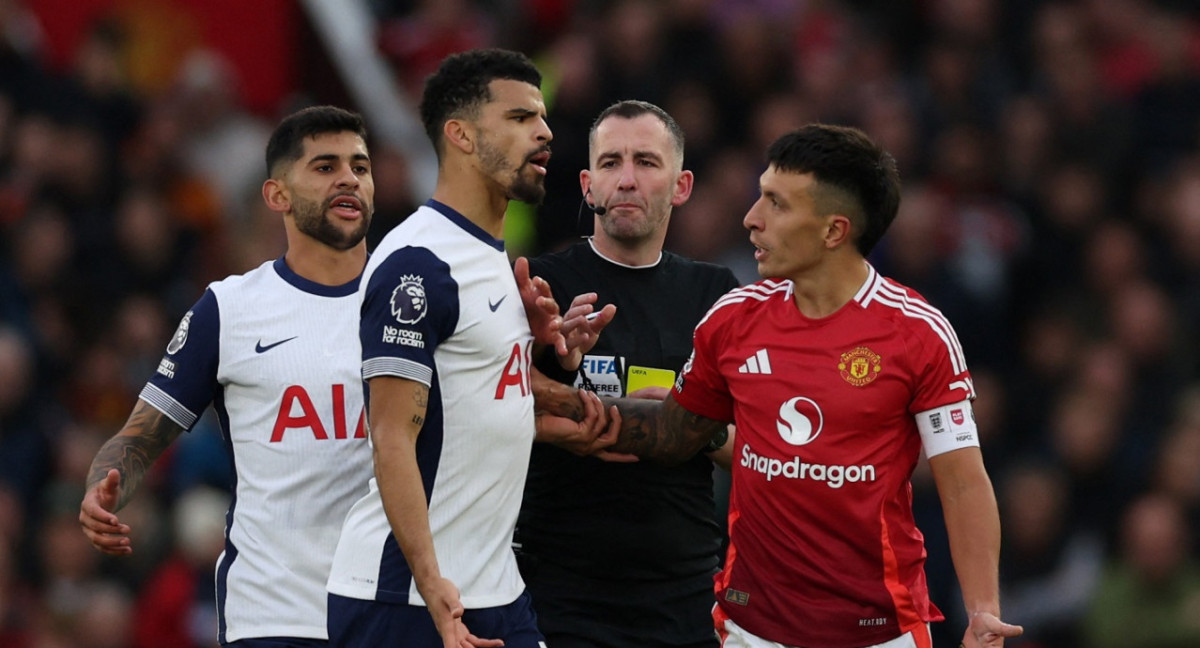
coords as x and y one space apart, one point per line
648 377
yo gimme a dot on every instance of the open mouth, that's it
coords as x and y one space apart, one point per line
347 206
759 251
539 161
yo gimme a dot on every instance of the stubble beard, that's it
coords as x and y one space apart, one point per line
495 164
311 220
631 231
532 192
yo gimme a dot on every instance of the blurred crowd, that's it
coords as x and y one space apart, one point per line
1050 152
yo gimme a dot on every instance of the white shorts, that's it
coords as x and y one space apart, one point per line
737 637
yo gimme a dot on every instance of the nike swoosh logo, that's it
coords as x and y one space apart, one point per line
496 305
259 348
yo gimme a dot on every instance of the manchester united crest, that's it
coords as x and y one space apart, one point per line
860 366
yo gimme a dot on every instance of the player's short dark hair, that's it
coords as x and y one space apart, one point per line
855 176
632 109
287 142
460 86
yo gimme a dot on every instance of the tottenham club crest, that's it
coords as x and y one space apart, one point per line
180 337
408 300
860 366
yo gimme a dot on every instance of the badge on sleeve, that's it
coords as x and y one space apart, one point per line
408 300
181 333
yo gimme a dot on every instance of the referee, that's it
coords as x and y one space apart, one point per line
623 554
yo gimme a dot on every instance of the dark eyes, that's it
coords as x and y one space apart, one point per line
359 169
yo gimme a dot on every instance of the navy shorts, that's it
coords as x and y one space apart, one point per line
355 623
279 642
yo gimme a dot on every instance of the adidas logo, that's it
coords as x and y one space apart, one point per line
758 363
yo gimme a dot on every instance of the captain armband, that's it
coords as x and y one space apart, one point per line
947 428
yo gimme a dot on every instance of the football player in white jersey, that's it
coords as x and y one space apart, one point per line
276 352
424 558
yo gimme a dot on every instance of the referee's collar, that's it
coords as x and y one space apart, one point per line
600 254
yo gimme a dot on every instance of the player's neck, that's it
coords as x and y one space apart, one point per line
322 264
466 192
634 254
824 289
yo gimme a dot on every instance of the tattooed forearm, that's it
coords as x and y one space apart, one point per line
554 397
662 431
146 434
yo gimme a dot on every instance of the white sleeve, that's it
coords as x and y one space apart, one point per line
947 428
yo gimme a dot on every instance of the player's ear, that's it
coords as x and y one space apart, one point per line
838 231
276 195
459 134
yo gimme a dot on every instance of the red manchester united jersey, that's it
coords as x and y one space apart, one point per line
823 549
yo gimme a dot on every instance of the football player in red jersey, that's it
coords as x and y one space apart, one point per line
837 378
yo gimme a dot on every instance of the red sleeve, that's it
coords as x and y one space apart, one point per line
701 389
941 371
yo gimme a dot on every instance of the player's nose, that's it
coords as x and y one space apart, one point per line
347 178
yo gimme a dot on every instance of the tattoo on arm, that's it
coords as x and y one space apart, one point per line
662 431
146 434
554 397
421 400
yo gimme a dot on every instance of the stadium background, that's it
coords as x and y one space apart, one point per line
1051 159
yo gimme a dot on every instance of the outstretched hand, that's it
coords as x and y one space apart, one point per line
581 327
986 630
99 522
540 308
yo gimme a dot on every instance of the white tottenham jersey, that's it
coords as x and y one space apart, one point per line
278 357
440 306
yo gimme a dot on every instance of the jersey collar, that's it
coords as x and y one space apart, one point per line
465 224
312 287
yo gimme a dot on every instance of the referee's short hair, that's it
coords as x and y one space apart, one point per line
631 109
